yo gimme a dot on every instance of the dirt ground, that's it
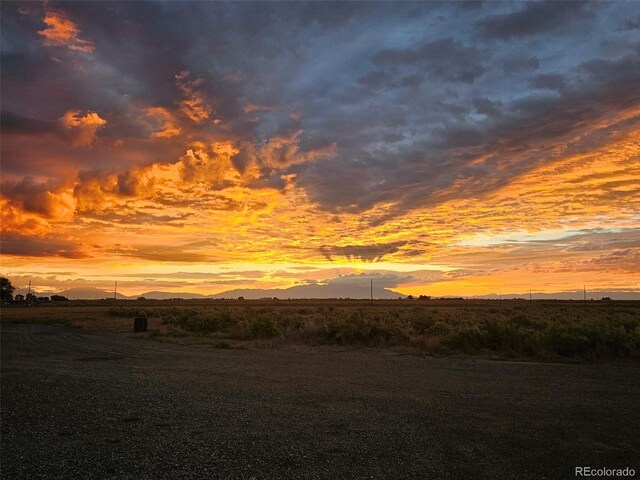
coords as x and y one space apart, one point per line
80 404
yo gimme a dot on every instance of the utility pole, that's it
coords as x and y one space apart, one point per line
584 288
529 294
115 291
29 292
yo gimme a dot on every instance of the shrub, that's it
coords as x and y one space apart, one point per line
589 332
264 328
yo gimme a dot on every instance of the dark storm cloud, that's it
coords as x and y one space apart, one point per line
12 123
128 183
135 62
625 70
374 79
32 196
484 106
548 81
425 172
31 246
631 24
367 253
469 4
412 80
73 128
410 94
534 18
330 15
445 59
518 63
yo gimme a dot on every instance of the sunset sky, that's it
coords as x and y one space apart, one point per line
440 148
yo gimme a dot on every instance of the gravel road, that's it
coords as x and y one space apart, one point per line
99 405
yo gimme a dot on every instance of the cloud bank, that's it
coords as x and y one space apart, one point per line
313 133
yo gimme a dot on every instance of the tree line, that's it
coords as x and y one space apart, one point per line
7 289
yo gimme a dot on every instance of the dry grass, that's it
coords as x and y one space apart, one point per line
510 329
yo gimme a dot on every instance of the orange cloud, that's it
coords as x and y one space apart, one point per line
61 32
167 126
15 220
258 107
283 151
79 130
42 246
96 190
206 209
194 105
207 164
39 199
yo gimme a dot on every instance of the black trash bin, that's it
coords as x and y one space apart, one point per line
139 324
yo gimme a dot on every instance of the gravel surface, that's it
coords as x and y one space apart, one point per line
93 404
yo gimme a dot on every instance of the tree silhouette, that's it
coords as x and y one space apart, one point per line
6 290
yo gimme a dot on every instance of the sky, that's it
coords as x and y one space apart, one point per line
454 148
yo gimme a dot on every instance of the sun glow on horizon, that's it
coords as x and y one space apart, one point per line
448 164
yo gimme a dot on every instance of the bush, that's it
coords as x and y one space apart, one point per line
590 332
199 321
264 328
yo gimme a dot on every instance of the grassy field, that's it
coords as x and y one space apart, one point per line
540 330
